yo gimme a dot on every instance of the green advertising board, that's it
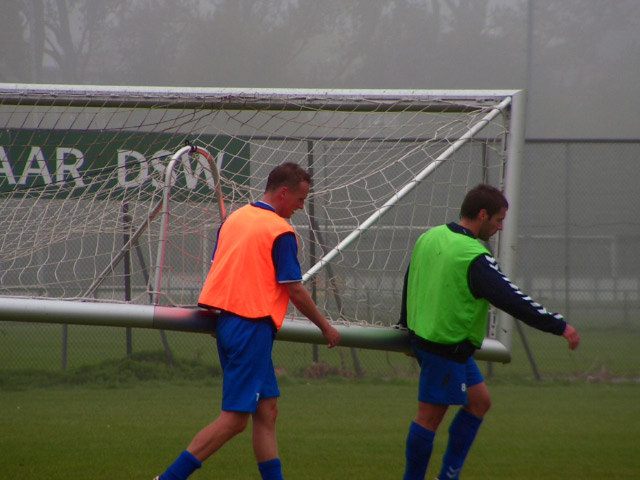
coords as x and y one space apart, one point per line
74 162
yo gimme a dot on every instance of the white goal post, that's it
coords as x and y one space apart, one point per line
111 197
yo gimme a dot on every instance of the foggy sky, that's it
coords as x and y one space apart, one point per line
580 63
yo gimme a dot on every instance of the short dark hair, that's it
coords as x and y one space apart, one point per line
482 197
288 174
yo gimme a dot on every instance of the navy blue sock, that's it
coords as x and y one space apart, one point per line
462 432
418 452
184 466
271 470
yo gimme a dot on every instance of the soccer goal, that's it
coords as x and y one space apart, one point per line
111 197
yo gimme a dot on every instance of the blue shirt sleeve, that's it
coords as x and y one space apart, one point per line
487 281
285 259
213 255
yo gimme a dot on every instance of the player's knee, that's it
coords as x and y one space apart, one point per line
479 406
485 406
268 412
234 423
240 425
430 415
273 412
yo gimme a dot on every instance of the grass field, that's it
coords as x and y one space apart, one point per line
115 417
333 428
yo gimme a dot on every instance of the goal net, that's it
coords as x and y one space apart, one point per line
91 213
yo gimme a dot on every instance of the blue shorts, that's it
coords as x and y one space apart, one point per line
244 348
445 382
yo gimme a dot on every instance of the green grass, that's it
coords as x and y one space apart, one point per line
126 371
334 428
113 416
602 355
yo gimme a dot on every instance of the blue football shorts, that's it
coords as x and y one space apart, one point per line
244 348
443 381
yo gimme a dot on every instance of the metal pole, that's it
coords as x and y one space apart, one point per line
509 236
312 243
202 321
126 221
165 211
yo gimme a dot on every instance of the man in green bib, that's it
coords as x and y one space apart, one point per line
451 282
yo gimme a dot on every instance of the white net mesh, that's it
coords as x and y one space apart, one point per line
82 175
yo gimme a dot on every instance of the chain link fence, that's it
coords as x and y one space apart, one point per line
578 254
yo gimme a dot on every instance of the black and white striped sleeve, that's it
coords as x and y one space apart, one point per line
487 281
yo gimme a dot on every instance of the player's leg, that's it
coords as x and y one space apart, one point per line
242 372
479 400
250 383
243 375
265 445
205 444
419 444
465 425
216 434
430 415
433 400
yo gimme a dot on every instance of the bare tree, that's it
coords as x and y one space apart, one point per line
53 40
21 41
150 42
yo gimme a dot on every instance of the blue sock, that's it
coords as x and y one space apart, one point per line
184 466
271 470
462 432
418 452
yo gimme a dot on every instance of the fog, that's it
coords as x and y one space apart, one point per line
580 63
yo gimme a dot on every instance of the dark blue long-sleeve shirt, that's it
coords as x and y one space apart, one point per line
488 282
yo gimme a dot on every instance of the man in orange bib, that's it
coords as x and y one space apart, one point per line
254 274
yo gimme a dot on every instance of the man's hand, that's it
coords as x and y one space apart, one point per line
300 297
572 336
332 335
